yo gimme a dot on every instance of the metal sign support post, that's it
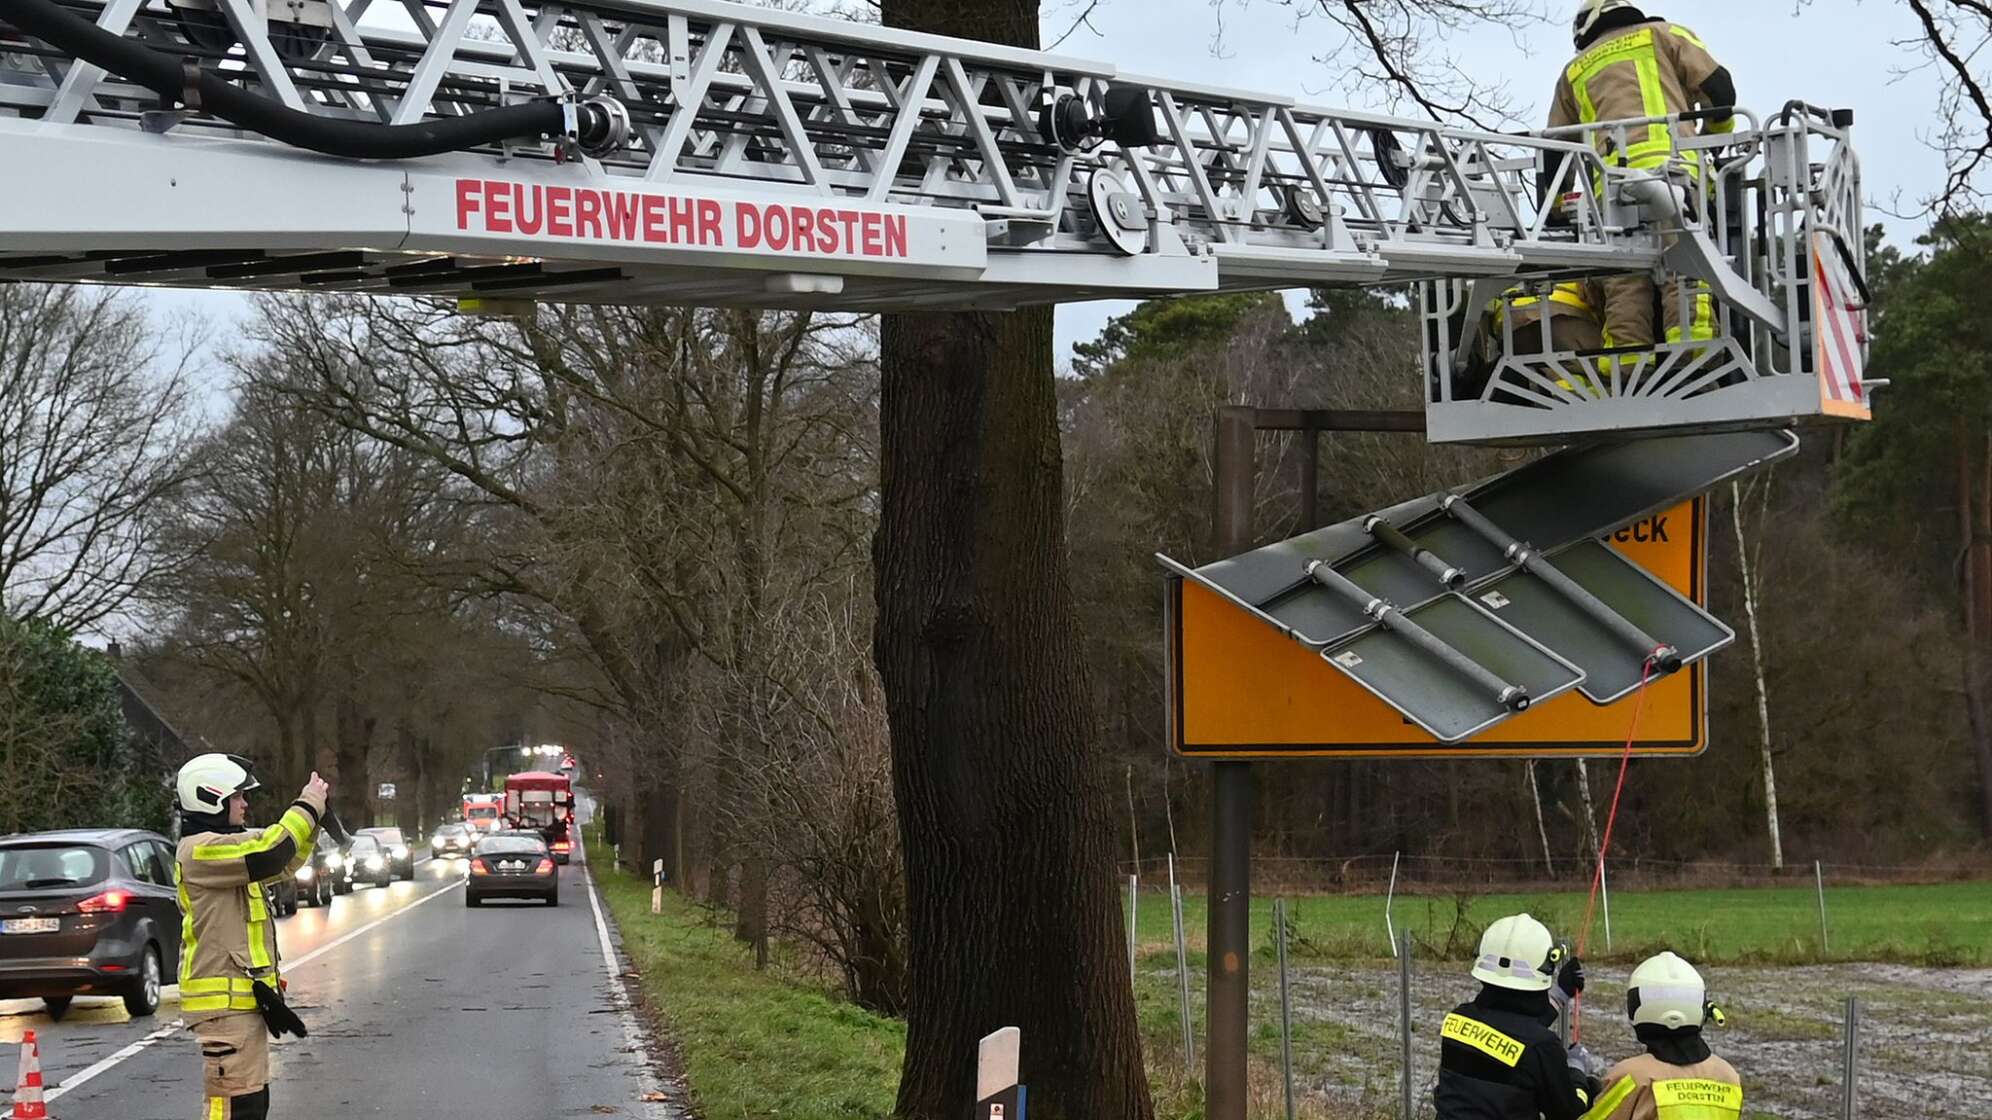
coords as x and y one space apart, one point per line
1230 889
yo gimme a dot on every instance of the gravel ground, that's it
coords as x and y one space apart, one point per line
1924 1034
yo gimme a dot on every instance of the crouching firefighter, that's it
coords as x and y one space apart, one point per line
1678 1078
1499 1055
230 990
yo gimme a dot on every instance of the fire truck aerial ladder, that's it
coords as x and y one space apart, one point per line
501 152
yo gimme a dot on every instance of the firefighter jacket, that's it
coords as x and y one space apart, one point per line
227 940
1647 69
1647 1088
1499 1060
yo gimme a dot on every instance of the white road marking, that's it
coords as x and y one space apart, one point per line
647 1084
300 962
91 1072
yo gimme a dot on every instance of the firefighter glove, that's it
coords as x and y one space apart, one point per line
1570 978
277 1014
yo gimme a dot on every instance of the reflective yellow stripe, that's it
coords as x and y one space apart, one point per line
1697 1099
217 1108
1682 32
1613 1097
205 985
189 944
259 925
269 838
1569 295
298 824
1637 49
1480 1036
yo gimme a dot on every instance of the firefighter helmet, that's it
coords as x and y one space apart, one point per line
1665 991
1516 953
208 781
1589 12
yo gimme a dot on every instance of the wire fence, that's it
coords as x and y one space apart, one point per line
1375 873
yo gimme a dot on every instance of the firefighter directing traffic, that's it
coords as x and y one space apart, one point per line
231 991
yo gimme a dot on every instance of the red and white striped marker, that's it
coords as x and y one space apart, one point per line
1839 332
28 1089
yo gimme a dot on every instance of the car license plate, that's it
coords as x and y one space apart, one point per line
31 925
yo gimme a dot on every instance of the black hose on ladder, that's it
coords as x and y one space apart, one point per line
181 80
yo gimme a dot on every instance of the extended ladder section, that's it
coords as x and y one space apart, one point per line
1461 610
696 151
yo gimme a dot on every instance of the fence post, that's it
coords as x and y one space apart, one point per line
1390 898
1182 972
1850 1059
1286 1005
1819 884
1133 899
1404 1012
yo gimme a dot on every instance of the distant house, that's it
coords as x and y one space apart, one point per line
164 747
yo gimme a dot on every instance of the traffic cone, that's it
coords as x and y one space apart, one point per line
28 1090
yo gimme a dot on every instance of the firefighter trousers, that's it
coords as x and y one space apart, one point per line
235 1067
1629 310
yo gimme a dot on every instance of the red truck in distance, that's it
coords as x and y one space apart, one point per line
543 802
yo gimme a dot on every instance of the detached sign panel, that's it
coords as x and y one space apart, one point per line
1241 689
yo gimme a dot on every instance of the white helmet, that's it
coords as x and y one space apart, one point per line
1589 12
1665 991
206 783
1515 954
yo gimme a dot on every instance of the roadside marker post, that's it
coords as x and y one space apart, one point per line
999 1093
657 887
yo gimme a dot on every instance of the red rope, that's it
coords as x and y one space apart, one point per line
1605 845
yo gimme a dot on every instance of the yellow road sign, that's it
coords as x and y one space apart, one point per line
1240 689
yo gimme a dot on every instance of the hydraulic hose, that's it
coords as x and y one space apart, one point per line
183 81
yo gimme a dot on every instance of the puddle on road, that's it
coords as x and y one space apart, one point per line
18 1016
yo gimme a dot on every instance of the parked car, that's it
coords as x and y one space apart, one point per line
368 862
511 865
451 841
88 912
400 858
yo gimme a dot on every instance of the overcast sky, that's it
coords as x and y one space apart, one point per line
1834 52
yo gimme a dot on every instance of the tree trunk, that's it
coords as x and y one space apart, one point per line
1977 594
408 764
722 820
1590 814
1749 579
1014 918
660 824
351 789
1542 827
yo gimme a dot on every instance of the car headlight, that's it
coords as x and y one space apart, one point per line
332 863
375 863
400 851
305 873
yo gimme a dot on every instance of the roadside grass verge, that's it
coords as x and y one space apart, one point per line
1947 925
753 1044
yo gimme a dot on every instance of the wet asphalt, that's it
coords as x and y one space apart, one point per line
440 1011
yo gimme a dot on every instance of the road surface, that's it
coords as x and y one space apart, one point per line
418 1007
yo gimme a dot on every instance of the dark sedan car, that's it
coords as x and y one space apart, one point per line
88 912
400 859
511 865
